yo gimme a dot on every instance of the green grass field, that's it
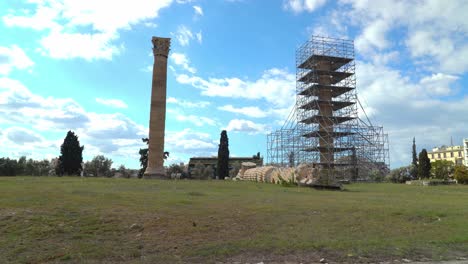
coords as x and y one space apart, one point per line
47 219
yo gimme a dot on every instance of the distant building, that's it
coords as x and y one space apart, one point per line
213 161
455 154
465 150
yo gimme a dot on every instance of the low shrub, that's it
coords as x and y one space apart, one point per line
461 174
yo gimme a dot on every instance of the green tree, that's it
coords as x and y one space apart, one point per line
197 171
208 172
424 168
174 169
8 167
99 166
43 167
442 169
461 174
223 156
399 175
144 158
235 169
414 166
71 155
21 166
124 171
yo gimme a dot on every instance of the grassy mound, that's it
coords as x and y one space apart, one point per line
133 221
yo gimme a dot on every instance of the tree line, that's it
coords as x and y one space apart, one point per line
422 168
70 162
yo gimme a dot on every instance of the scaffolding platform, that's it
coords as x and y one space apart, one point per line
316 76
320 119
334 134
324 127
336 62
335 105
316 89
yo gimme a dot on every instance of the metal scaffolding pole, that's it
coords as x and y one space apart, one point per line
324 127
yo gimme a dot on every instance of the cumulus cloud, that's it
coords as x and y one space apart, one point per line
276 86
182 60
251 111
66 25
191 142
199 121
199 37
434 30
373 36
439 84
54 115
256 112
298 6
188 104
198 10
112 102
408 108
247 126
60 45
184 35
21 136
13 57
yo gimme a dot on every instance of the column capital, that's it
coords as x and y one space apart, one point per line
161 46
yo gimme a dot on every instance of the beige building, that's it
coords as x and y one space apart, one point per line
455 154
465 150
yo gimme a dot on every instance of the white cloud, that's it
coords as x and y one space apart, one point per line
298 6
434 30
150 25
43 18
112 102
98 132
148 68
408 108
184 35
181 60
84 29
439 84
255 112
190 142
251 111
188 104
61 45
198 10
241 125
276 86
22 136
373 36
199 121
199 37
13 57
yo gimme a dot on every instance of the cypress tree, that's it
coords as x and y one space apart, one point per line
415 157
223 156
414 163
424 168
71 155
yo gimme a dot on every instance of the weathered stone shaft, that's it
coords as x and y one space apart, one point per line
155 168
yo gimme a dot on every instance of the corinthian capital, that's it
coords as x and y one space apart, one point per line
161 46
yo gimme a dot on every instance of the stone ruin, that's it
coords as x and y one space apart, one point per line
302 175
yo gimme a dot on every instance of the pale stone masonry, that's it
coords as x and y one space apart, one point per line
157 123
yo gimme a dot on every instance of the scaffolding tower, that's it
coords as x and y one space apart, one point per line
324 127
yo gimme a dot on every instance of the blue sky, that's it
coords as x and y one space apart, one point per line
85 66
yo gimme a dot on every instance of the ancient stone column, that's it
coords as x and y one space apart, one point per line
155 168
